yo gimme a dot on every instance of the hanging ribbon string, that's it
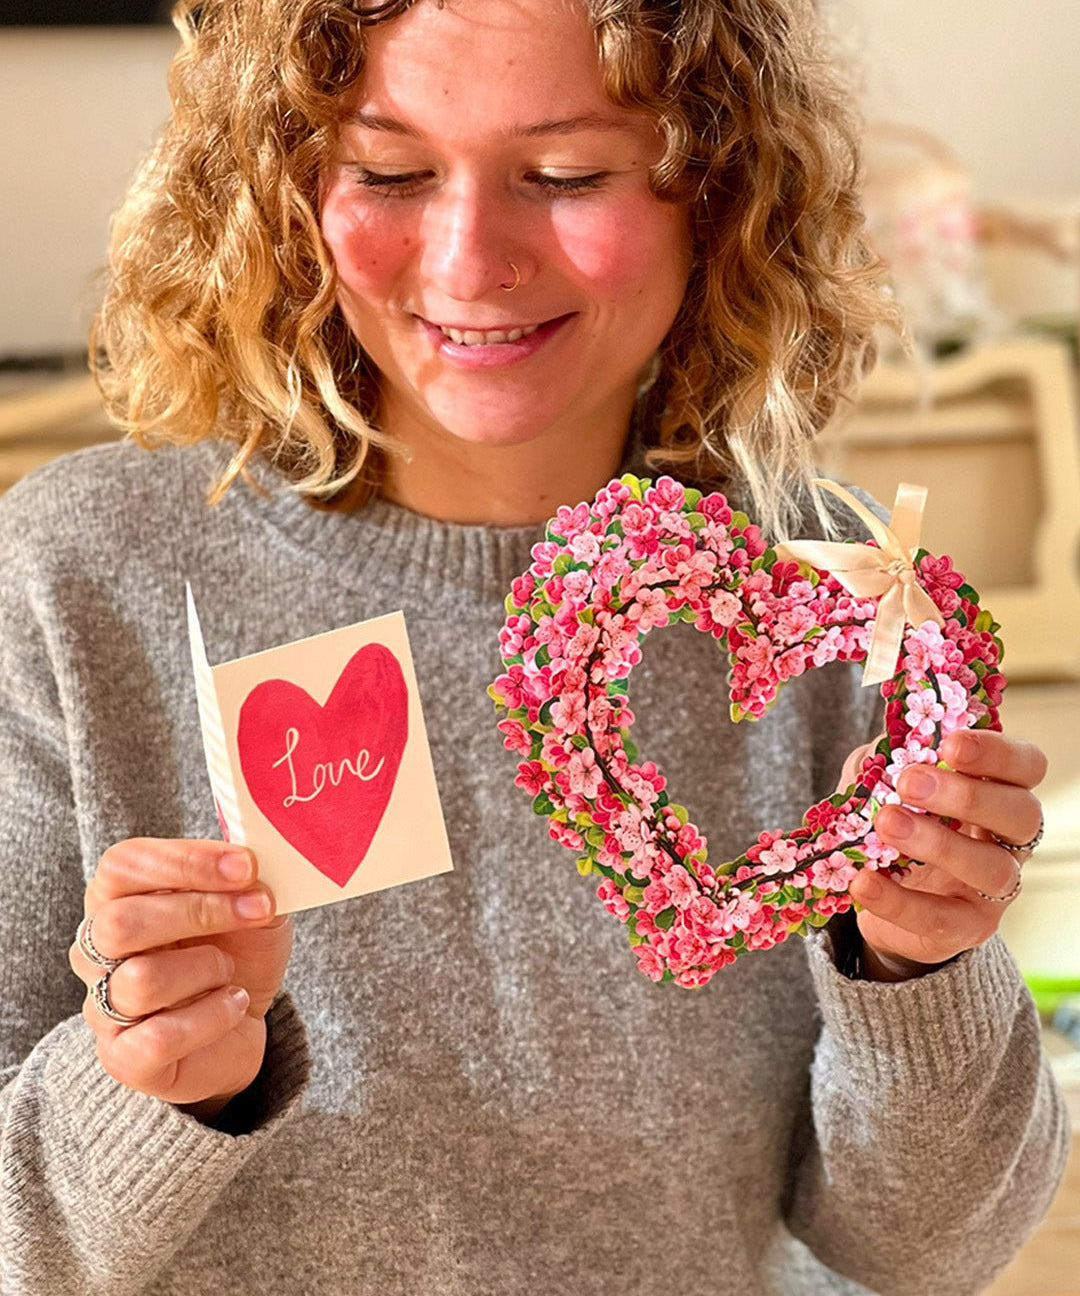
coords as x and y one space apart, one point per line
887 573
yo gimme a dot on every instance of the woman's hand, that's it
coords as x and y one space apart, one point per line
203 957
935 911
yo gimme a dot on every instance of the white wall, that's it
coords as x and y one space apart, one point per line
78 107
998 79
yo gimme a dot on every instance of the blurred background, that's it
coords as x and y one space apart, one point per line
973 197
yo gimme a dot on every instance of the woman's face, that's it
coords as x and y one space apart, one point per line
480 149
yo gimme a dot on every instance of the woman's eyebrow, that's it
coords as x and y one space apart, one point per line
589 121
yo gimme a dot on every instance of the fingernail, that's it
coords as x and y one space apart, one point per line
238 997
867 886
962 748
918 784
899 823
253 904
234 867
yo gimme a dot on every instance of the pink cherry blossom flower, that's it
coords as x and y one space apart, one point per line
666 493
585 547
780 857
649 609
569 712
681 885
576 585
724 608
649 962
834 872
569 522
924 711
585 775
514 735
532 777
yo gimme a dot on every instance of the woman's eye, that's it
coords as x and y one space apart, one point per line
567 184
403 184
398 183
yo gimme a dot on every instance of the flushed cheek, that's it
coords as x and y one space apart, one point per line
620 255
369 248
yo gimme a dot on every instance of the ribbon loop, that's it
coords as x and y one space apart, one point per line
887 573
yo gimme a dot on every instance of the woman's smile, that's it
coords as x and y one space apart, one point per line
470 348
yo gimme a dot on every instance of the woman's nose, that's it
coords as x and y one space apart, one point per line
467 244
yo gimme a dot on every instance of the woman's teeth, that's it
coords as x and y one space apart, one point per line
470 337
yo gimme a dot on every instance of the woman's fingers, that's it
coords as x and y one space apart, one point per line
143 864
984 754
981 865
919 925
1004 810
148 983
199 956
147 1056
132 924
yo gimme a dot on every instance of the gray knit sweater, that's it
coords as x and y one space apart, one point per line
469 1090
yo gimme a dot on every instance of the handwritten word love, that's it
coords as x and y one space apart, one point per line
323 771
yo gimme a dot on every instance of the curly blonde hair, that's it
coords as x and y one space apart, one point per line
221 318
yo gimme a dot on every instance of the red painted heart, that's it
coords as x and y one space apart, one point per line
323 775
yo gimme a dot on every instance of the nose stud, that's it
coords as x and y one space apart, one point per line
509 287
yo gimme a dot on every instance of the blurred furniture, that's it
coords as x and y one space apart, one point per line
42 416
994 432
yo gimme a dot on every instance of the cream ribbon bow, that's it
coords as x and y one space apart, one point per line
887 573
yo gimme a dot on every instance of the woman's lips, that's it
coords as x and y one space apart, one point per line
494 354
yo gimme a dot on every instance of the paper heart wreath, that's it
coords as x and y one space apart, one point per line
644 555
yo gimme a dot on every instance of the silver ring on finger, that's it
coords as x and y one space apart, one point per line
1024 848
99 992
1013 893
86 945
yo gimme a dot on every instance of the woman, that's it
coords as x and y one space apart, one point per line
441 268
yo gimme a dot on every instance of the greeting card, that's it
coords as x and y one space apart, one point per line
319 762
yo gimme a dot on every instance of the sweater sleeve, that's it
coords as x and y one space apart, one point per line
99 1184
939 1134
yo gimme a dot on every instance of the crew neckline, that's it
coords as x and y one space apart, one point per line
403 546
406 547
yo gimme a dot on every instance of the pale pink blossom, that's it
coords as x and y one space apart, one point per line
724 608
834 872
584 774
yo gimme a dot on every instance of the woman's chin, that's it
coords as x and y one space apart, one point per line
487 429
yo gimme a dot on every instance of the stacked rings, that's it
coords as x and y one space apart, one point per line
1026 847
99 991
85 943
1017 849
